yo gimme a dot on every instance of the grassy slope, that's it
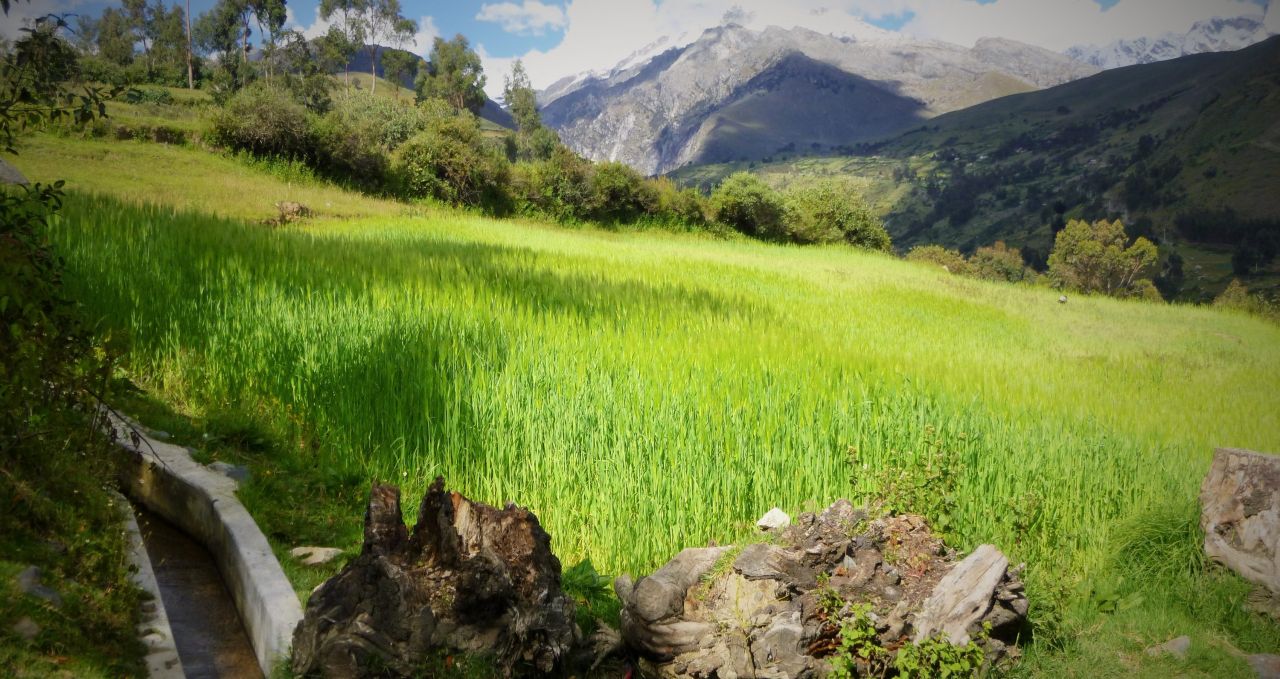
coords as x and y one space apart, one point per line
645 392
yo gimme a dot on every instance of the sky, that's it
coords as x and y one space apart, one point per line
558 38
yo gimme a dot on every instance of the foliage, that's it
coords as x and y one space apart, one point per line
859 652
399 65
999 262
448 163
1097 258
619 193
558 187
520 99
746 204
263 120
454 74
924 482
948 259
831 211
1237 297
389 123
593 595
938 658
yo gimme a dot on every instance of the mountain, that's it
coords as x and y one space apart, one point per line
1213 35
1185 152
736 93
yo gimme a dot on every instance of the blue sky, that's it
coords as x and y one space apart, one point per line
557 38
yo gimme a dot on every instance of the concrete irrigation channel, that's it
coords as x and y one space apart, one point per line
229 606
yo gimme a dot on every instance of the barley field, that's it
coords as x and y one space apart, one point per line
644 392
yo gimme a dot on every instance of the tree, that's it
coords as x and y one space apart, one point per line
1097 258
999 262
270 16
397 64
219 31
114 38
349 15
453 74
520 99
383 21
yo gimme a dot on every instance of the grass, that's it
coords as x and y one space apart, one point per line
647 392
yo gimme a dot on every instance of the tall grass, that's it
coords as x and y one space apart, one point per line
647 392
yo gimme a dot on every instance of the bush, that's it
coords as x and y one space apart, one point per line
831 212
558 187
999 262
450 163
1237 297
951 260
345 152
265 122
746 204
684 207
620 194
383 121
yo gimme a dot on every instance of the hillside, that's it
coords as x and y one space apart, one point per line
1184 151
598 377
734 94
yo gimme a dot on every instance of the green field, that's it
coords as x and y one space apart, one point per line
644 392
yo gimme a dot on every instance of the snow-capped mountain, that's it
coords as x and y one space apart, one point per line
735 93
1213 35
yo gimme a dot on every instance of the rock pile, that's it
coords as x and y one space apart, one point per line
765 610
468 578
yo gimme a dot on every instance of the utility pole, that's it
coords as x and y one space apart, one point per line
191 80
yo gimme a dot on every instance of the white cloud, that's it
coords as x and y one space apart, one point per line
529 17
600 33
1272 21
427 33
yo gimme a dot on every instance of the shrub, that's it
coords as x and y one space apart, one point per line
1237 297
999 262
746 204
684 207
347 152
558 187
450 163
619 194
831 212
381 120
951 260
265 122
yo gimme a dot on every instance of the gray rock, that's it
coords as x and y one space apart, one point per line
1177 647
1240 514
10 174
963 596
1265 665
29 582
26 629
315 556
235 472
773 519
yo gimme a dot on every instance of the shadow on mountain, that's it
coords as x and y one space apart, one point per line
801 106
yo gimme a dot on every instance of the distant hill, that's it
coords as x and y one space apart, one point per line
740 94
1185 151
492 111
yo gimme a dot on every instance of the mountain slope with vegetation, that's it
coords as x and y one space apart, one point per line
1185 152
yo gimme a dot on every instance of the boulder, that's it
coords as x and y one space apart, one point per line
1240 514
768 612
315 556
29 582
468 578
1177 647
773 519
